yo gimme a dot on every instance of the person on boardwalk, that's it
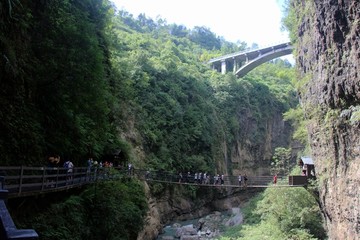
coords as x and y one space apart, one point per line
89 164
216 179
240 178
188 176
147 175
275 179
53 162
301 163
304 170
69 169
245 180
130 169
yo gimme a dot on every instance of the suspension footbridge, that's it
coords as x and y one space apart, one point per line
21 181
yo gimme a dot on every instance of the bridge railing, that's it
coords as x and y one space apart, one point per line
250 50
227 180
22 180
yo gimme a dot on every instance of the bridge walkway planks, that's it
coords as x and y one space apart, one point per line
21 181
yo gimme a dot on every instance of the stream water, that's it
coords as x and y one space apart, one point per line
211 225
170 230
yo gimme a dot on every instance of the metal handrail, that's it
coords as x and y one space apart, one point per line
20 181
23 180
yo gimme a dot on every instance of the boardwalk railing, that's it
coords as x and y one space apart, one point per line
228 181
25 181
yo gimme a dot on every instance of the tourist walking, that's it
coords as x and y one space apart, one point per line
53 162
275 179
130 169
245 180
180 177
215 179
69 169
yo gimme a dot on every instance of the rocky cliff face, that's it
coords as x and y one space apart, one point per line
176 204
253 158
328 57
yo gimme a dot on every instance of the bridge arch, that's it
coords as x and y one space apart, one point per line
243 62
242 71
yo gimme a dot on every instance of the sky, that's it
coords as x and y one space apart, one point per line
250 21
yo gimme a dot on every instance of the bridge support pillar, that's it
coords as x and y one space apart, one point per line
235 66
223 67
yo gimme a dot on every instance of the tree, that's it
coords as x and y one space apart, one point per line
205 38
281 161
178 30
297 119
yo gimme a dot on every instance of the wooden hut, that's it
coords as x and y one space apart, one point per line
308 172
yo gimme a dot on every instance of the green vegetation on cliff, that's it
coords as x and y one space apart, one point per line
280 213
54 80
106 210
81 79
78 78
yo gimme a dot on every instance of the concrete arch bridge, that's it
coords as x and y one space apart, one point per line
240 63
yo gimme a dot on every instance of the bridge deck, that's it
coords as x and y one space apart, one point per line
240 63
27 181
227 185
252 53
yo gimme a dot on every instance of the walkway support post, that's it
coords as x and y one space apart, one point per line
21 178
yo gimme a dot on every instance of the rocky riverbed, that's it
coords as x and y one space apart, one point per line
207 227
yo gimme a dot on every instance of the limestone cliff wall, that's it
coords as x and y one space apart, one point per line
328 58
175 203
254 157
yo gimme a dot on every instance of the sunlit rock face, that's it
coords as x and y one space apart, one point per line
328 58
253 157
176 204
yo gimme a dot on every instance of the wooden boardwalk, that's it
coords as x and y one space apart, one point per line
21 181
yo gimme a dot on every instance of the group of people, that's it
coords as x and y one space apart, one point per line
205 178
56 166
200 178
96 167
91 164
53 162
243 180
219 179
